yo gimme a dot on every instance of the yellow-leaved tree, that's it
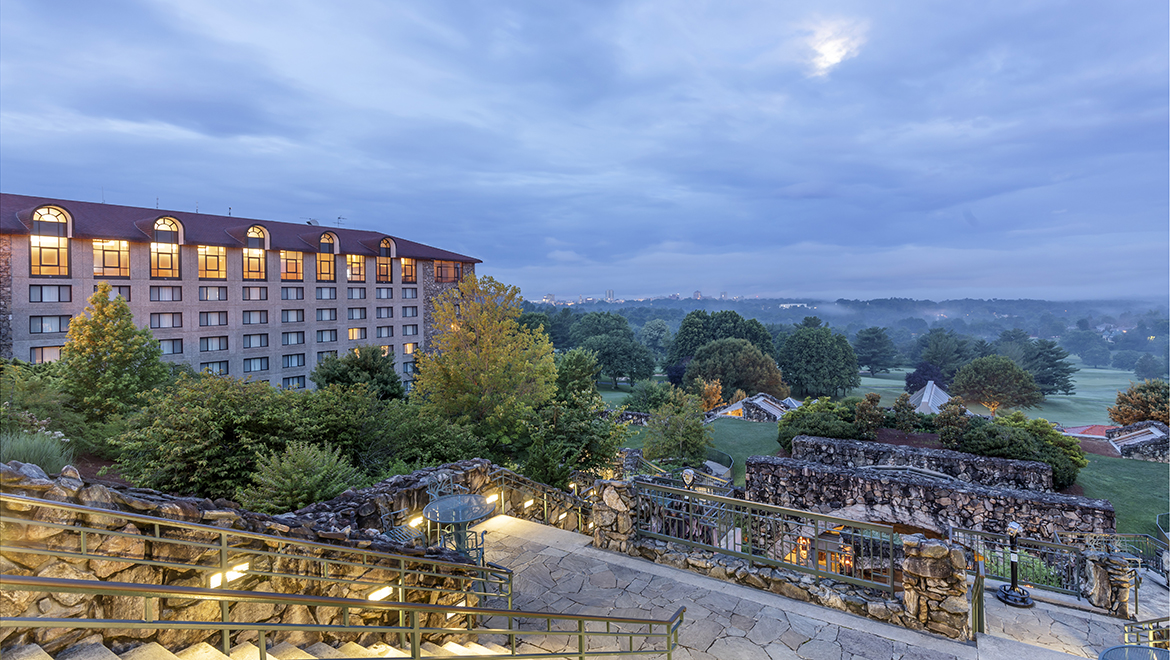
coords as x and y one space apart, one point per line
482 367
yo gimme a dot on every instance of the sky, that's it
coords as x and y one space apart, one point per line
775 149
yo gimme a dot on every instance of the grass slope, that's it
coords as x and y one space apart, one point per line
1096 390
1139 490
734 436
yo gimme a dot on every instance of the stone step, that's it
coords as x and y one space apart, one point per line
286 651
245 651
322 650
457 649
477 649
354 650
383 650
201 651
87 652
430 649
150 651
497 648
27 652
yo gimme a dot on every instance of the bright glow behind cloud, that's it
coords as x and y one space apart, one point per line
834 41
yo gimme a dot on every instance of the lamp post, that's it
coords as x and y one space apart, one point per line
1014 595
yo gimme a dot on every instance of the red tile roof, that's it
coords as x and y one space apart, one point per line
1094 430
130 223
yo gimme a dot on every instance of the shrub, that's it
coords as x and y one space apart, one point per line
649 396
1148 400
820 417
676 430
868 417
905 419
952 422
1024 440
298 476
49 451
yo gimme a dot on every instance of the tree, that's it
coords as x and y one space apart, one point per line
574 432
1148 400
821 418
577 371
875 351
1082 340
1045 360
655 335
483 369
995 381
561 327
596 324
107 361
1148 367
1096 356
710 393
816 362
676 430
649 396
923 374
738 365
621 357
947 351
535 321
366 365
1125 360
692 335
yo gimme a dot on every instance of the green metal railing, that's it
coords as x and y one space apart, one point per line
225 556
1151 632
823 546
720 457
1041 565
542 503
1151 553
978 610
583 636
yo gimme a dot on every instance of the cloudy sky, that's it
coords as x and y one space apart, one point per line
832 149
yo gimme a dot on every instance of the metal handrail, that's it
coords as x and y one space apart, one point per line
716 456
768 535
562 502
411 633
1149 551
1062 563
978 610
1151 632
230 551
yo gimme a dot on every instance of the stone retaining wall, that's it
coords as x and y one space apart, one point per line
999 472
350 521
1155 450
627 417
858 494
934 579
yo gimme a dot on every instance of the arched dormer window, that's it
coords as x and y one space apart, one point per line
385 256
164 249
326 258
49 243
254 254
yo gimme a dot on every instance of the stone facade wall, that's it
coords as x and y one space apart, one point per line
858 494
613 524
999 472
428 290
934 581
5 297
351 521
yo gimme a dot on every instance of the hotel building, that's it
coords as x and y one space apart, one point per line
247 298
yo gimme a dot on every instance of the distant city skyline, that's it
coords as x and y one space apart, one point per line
859 150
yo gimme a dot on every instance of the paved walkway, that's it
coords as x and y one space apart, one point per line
558 571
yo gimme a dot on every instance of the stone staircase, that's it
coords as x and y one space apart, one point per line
249 651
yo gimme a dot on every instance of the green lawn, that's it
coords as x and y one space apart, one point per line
734 436
1139 490
613 398
1096 390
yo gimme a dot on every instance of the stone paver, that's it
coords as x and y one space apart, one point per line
558 571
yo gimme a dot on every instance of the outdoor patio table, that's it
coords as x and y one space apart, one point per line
459 511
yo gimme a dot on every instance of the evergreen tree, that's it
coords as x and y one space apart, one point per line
875 351
1145 401
107 361
1045 360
